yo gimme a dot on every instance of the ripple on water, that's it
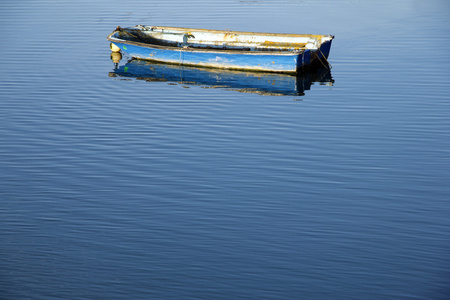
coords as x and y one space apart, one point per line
114 187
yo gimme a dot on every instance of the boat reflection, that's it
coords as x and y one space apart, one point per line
241 81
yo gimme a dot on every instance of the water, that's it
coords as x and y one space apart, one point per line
120 188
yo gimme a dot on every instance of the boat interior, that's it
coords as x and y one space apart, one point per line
219 39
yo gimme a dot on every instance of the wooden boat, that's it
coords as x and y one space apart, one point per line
235 50
273 84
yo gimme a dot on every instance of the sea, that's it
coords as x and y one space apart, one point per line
117 182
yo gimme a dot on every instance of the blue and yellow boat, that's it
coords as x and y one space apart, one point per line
232 50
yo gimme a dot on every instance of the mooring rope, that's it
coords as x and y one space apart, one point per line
329 65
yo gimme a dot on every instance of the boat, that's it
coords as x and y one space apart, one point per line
223 49
262 83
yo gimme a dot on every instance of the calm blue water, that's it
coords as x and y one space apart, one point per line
121 188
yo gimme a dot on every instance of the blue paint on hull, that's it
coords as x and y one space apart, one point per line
324 50
237 60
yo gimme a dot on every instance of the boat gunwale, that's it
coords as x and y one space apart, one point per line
207 50
238 32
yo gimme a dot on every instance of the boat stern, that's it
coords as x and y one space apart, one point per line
324 49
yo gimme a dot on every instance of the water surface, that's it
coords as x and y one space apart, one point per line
117 187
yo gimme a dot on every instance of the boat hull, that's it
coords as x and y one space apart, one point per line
286 61
232 60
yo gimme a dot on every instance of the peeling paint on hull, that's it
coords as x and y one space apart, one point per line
260 53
